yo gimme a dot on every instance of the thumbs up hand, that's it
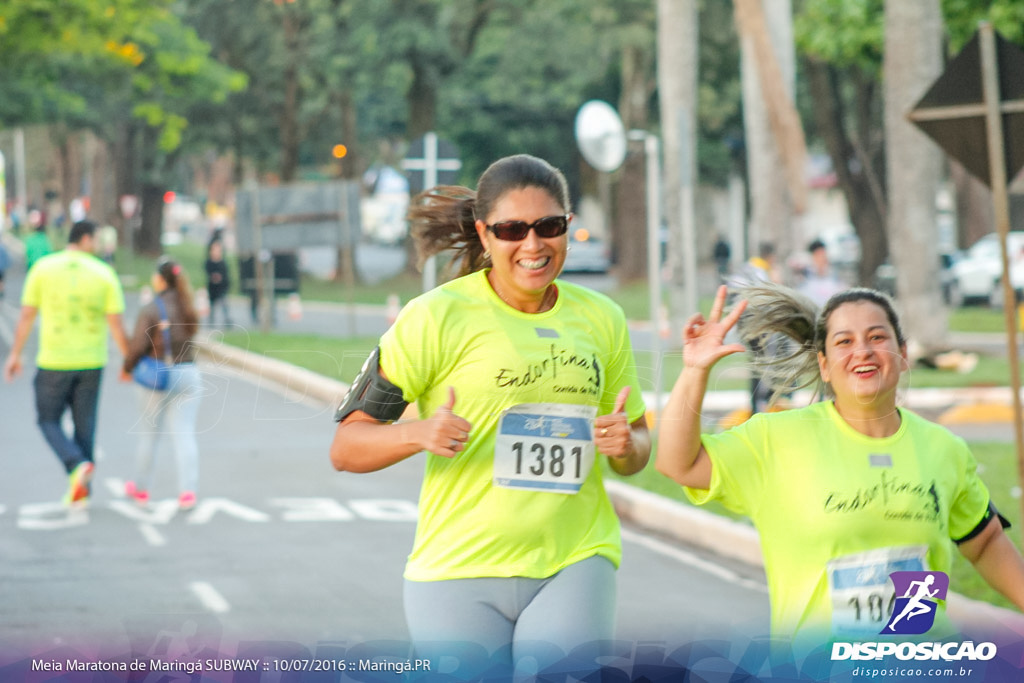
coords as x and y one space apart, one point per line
445 433
612 434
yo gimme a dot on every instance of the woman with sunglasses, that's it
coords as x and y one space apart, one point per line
844 491
521 381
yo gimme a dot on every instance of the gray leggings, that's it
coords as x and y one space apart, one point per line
513 618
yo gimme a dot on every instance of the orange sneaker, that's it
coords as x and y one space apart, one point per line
78 483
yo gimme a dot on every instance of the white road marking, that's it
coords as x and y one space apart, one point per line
208 507
115 486
152 536
693 560
51 516
209 597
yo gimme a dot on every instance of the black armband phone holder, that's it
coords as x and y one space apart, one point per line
373 394
990 512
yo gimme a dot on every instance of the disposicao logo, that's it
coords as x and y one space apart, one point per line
916 599
917 596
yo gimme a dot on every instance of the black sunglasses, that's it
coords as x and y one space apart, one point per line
513 231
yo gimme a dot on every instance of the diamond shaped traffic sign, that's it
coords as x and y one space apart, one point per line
952 112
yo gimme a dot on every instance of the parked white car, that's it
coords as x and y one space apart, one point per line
587 254
977 276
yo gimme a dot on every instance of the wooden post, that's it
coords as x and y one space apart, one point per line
1001 207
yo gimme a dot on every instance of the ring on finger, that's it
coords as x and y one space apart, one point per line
604 432
454 444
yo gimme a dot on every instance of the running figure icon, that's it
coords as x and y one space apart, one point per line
915 606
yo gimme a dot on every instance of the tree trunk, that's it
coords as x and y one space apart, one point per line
422 99
771 207
629 229
125 179
351 165
289 118
677 87
69 164
152 220
913 60
864 195
102 194
351 172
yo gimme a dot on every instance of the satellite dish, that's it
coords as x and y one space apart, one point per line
601 136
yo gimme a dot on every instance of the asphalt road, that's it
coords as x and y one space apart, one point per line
282 554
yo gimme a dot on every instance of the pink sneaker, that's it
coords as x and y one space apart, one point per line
139 496
187 500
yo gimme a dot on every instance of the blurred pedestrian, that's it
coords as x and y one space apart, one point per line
820 282
218 281
175 410
106 238
5 262
758 269
722 253
520 380
37 245
77 298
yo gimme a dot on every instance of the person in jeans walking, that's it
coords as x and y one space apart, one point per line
77 298
175 410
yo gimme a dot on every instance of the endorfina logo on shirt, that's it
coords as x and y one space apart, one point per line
917 596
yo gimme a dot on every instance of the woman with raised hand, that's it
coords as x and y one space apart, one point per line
846 490
520 379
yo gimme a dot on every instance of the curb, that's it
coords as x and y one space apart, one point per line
685 523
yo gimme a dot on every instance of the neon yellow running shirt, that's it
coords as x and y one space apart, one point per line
577 354
74 292
829 502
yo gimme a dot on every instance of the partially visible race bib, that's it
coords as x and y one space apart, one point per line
544 447
861 592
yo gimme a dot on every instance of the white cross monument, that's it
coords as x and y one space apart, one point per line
429 165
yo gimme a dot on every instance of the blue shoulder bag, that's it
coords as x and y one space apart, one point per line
153 373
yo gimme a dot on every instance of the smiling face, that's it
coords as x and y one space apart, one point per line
863 358
522 271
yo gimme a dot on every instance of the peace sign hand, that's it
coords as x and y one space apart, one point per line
704 340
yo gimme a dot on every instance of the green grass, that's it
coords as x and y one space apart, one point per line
405 285
998 467
338 359
977 319
136 269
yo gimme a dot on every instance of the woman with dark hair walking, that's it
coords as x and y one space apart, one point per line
520 379
174 410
